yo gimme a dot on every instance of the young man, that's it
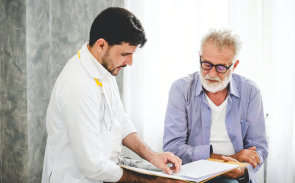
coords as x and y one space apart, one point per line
215 113
85 121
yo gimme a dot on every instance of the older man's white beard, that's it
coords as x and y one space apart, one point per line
216 86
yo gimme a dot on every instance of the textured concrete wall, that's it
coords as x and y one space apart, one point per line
38 34
14 152
37 39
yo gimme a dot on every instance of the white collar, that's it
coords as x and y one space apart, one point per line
91 64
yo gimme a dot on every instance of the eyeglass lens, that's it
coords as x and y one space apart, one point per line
208 66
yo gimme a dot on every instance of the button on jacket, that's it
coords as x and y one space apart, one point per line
85 124
188 120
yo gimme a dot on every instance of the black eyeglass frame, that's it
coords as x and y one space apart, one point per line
212 65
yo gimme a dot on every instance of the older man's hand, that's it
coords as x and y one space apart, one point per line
235 173
248 155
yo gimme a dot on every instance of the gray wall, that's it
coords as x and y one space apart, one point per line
13 84
37 38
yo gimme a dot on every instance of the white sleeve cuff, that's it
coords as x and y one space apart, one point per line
127 126
114 175
110 173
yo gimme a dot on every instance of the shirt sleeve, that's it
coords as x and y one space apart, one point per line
175 132
127 125
123 118
256 133
81 111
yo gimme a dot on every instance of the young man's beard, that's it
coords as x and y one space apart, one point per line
105 63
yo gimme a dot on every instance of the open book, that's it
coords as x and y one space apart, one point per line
197 171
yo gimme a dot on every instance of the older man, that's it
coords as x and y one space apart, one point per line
216 113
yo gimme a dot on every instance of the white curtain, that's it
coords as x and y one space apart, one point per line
281 63
174 29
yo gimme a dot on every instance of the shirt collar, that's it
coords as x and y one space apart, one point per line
199 87
233 89
91 64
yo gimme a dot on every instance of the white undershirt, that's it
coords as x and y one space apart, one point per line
219 138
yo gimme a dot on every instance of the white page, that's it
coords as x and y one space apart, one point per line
194 171
161 174
202 168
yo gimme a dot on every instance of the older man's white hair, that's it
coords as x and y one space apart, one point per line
223 38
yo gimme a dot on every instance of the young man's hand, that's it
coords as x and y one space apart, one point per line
160 160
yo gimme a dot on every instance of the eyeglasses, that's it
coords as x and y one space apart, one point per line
219 68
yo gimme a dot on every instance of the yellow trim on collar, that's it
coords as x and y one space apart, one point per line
98 83
79 54
96 80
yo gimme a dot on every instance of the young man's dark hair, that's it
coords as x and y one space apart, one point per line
117 25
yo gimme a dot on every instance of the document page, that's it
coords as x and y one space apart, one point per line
196 171
204 169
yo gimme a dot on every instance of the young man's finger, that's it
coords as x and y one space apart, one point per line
175 162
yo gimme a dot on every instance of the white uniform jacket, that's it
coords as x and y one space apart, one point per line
85 124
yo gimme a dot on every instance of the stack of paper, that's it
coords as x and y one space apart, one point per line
196 171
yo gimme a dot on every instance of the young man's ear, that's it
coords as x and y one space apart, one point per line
101 46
